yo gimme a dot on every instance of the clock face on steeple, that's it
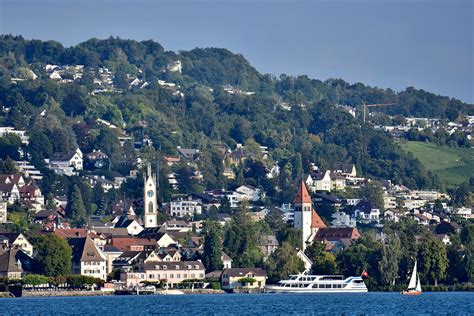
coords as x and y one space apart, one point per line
150 193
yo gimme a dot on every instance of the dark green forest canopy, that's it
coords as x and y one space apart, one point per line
314 127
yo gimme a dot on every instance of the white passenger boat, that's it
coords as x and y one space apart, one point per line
303 283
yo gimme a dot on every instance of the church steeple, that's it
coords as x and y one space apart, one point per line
150 209
306 217
302 196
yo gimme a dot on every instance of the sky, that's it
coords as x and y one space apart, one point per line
427 44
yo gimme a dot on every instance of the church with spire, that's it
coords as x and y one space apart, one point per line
150 204
306 218
312 226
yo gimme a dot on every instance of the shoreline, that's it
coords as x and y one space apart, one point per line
85 293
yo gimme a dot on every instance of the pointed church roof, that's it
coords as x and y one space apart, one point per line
316 221
302 196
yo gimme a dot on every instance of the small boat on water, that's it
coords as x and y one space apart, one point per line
303 283
414 287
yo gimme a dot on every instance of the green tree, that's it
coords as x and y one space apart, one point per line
432 259
283 262
391 255
323 262
9 146
76 209
212 254
35 279
53 255
373 193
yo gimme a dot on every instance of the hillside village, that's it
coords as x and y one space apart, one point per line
142 201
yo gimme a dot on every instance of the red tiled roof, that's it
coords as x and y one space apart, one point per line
302 196
125 243
337 233
71 232
316 221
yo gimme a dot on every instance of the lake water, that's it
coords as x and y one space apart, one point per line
454 303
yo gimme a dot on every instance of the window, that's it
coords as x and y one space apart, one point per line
150 207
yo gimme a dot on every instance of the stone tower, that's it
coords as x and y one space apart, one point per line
303 213
306 217
150 208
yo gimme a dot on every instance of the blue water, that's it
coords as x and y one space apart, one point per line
460 303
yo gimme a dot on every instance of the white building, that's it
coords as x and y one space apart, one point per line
368 217
66 164
11 130
3 212
87 259
341 219
465 212
248 193
183 207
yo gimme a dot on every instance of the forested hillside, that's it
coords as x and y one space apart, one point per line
295 117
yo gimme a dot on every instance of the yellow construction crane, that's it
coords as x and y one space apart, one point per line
365 105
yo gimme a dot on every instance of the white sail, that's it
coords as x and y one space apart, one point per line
418 284
412 283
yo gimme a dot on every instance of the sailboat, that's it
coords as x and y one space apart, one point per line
414 287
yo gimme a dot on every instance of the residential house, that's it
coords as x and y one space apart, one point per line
87 259
321 181
15 178
336 238
171 161
3 212
444 238
133 243
173 225
248 193
345 169
66 164
18 240
393 215
231 278
338 181
111 253
9 192
341 219
366 213
464 212
226 261
185 207
51 219
267 244
98 159
105 184
4 130
14 263
188 153
174 272
133 227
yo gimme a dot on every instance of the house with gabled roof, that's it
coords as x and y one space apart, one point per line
231 278
133 227
188 153
66 163
18 240
87 258
14 263
347 170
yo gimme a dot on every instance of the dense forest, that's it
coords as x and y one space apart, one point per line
310 129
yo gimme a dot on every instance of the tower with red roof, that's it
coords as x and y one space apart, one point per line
306 218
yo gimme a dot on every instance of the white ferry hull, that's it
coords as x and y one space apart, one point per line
303 283
278 289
